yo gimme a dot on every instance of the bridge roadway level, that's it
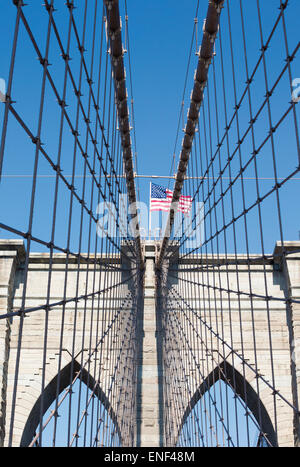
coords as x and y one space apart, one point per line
282 280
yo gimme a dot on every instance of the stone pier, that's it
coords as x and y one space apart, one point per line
279 275
149 423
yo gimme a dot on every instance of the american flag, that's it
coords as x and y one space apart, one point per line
161 199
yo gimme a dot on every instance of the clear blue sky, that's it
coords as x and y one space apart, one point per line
160 37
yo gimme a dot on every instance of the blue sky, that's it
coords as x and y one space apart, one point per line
160 38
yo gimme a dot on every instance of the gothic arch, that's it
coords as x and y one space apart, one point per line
50 396
253 401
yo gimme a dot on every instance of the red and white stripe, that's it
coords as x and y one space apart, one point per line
162 204
185 203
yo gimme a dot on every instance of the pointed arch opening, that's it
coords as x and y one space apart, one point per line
226 411
81 416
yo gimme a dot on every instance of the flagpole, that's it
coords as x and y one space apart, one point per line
150 211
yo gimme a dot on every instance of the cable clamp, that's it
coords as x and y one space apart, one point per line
218 4
212 36
120 82
206 61
201 84
113 34
117 60
109 4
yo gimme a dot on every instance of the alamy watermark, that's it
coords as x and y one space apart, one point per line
120 222
296 91
2 90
